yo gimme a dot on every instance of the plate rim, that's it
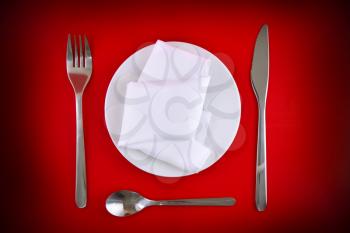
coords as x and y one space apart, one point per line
232 80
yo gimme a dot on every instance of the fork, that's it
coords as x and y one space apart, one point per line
79 69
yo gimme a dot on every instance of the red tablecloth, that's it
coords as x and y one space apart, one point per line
307 117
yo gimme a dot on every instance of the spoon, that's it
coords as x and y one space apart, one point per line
124 203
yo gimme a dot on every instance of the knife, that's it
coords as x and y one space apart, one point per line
259 78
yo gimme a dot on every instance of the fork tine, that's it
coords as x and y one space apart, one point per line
76 64
69 55
88 58
81 59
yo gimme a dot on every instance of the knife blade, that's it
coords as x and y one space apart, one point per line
259 79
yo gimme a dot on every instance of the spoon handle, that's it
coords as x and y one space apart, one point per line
225 201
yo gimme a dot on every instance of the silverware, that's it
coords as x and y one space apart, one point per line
125 203
260 78
79 69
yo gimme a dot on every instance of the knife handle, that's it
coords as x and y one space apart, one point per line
261 184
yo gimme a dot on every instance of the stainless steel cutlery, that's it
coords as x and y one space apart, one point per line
125 203
79 69
260 78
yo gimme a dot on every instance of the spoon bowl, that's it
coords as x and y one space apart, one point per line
124 203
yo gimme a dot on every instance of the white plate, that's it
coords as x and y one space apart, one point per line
222 100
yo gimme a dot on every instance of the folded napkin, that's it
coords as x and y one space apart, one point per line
169 123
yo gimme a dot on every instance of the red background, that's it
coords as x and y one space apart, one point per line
308 114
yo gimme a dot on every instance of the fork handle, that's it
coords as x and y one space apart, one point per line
261 183
80 178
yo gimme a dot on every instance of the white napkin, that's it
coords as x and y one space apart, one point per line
169 124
